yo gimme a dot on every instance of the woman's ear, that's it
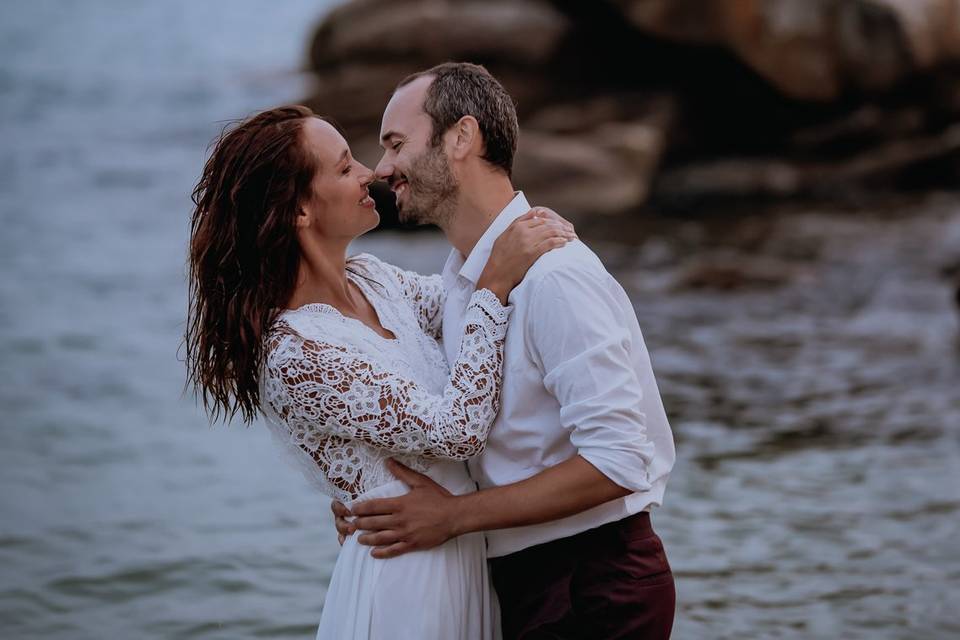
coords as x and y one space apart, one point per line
302 221
466 135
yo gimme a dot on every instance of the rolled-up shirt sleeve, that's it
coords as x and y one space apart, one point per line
579 337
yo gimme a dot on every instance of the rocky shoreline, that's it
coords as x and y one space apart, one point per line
677 106
625 104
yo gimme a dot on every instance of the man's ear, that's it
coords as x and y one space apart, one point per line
466 135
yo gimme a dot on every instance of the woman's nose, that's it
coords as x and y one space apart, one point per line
366 176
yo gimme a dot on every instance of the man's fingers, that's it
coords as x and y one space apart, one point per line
409 477
391 551
379 538
375 523
339 509
344 526
375 507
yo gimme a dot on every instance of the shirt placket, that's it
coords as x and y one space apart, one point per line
457 311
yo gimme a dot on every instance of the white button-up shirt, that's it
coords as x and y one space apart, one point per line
577 380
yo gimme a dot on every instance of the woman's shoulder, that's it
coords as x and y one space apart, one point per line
378 270
365 260
292 327
307 331
281 341
371 264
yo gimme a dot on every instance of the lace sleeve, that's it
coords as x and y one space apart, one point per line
320 390
427 295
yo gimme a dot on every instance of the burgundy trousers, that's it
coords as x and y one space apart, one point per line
610 582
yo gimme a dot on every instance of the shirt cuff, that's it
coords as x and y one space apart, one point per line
621 469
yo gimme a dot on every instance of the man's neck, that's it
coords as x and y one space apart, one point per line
477 206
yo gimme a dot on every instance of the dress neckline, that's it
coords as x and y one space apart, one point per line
329 309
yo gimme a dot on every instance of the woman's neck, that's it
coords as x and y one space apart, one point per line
322 277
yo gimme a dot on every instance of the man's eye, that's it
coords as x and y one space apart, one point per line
397 145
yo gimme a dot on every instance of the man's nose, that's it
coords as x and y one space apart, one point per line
384 168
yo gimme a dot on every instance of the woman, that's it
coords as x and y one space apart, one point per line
341 355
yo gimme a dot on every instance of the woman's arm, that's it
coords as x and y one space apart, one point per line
426 295
317 388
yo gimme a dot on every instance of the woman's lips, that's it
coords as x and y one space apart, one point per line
367 201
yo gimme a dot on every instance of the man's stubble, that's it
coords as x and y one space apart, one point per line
432 190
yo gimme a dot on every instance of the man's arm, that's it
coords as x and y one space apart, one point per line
587 366
429 515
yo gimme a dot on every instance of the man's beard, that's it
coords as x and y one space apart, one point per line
432 190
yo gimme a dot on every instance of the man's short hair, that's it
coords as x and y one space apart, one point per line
463 89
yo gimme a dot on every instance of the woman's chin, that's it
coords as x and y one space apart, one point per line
375 220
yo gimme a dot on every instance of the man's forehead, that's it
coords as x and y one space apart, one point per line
405 107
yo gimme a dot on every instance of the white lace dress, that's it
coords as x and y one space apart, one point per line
341 399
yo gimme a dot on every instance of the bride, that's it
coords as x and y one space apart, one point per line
341 355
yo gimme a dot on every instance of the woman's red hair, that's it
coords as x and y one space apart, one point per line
244 254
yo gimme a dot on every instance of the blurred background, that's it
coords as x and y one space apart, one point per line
774 182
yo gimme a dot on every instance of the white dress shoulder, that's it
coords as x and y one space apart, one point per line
341 399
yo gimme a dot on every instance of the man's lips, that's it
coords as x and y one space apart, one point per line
398 187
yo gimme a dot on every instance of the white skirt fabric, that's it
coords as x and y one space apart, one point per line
443 593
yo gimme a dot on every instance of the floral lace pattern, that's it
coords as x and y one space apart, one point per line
343 399
427 295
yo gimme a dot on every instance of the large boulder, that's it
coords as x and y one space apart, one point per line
621 101
579 153
597 155
362 49
812 49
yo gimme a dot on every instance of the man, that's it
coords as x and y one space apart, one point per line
581 449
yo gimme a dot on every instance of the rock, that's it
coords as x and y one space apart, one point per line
859 129
354 94
590 158
362 49
932 28
680 101
568 164
522 32
812 49
736 273
877 166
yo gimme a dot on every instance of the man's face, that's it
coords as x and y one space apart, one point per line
418 174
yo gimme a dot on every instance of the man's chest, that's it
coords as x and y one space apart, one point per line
454 313
519 363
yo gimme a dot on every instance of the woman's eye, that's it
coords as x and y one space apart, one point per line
346 170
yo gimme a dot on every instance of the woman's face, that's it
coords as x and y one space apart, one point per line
340 206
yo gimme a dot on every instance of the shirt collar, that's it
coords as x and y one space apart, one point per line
471 267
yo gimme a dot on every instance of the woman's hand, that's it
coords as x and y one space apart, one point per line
519 246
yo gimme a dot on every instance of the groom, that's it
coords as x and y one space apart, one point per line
581 449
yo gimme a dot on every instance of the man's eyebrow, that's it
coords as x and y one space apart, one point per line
388 135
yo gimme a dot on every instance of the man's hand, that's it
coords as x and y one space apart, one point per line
420 519
340 515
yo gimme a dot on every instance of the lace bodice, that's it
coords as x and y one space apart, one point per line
342 398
